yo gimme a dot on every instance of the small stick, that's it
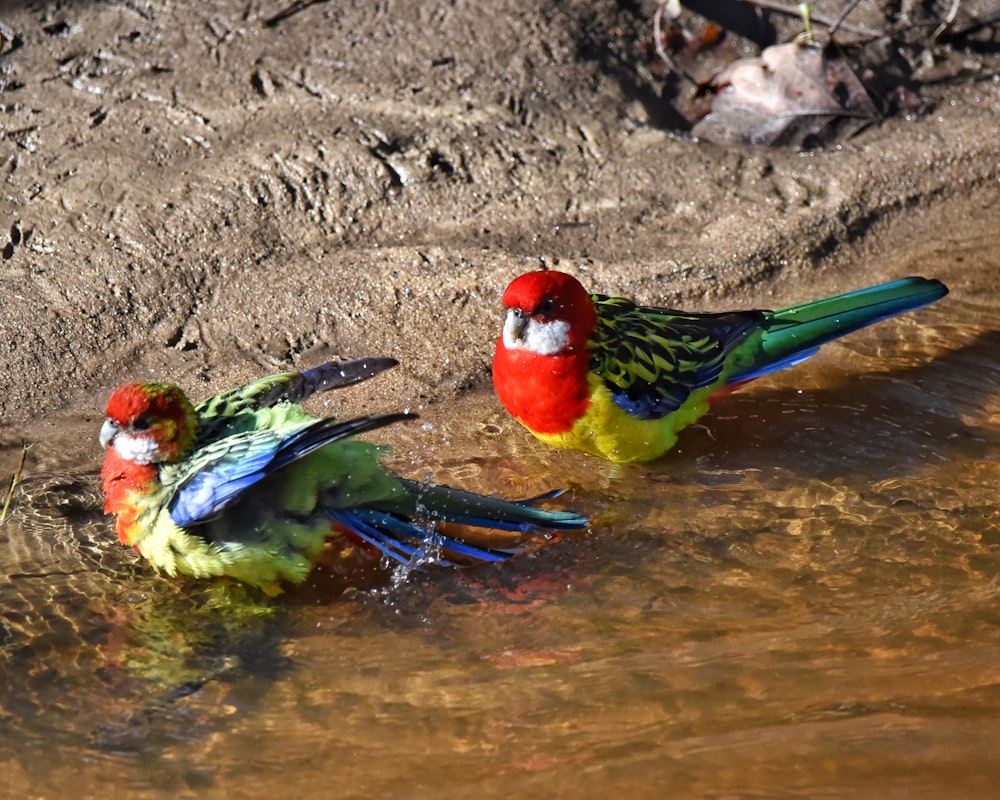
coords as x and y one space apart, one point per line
14 481
822 19
847 9
294 8
948 20
661 51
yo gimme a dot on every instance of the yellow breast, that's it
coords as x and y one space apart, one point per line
606 430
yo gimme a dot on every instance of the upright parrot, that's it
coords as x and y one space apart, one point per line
247 484
618 380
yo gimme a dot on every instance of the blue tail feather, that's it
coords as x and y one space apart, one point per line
403 530
391 536
387 545
772 366
400 527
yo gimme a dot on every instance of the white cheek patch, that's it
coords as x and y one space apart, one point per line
544 338
141 450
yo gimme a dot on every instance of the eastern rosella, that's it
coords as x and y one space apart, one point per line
249 485
609 377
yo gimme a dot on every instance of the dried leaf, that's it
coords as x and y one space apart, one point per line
793 94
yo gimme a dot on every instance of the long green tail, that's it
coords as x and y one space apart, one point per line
792 334
469 508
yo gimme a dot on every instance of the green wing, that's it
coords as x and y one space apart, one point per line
261 393
215 413
651 359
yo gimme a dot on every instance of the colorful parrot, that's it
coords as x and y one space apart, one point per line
249 485
618 380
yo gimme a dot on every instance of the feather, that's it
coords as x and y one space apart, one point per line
652 359
228 467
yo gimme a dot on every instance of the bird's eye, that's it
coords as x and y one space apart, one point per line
142 424
546 306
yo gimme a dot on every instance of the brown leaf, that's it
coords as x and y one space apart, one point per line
792 94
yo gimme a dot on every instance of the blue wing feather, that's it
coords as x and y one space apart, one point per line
213 488
228 467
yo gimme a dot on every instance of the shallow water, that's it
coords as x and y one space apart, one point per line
801 601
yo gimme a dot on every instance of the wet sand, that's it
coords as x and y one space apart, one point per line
193 195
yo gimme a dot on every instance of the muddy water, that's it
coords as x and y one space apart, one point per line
801 601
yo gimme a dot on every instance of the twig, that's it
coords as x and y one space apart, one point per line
822 19
847 9
292 10
8 36
14 481
661 51
969 24
948 20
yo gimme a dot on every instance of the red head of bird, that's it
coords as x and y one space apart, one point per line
542 358
547 313
149 422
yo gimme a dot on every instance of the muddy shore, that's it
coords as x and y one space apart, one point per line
191 194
